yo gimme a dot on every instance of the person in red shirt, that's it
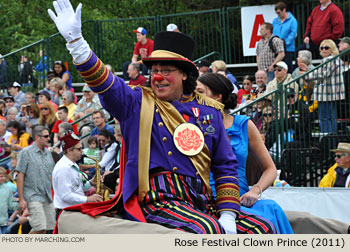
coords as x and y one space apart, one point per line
142 49
134 74
246 90
62 114
326 21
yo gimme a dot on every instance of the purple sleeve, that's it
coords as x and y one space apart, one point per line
115 96
224 167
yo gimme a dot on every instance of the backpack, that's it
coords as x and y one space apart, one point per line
272 47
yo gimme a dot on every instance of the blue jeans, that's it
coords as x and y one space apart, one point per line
8 229
270 76
3 229
327 114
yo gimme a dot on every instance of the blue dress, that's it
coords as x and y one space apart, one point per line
69 82
266 208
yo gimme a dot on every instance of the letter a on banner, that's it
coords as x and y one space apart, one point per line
259 20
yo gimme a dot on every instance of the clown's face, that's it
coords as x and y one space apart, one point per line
170 87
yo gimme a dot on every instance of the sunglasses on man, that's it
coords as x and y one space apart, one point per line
340 155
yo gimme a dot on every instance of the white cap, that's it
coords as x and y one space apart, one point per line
281 64
16 84
171 27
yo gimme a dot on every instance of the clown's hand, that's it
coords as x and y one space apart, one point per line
228 222
67 21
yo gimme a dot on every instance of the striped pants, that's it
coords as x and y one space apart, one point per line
182 202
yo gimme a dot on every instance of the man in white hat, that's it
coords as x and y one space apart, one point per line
17 94
281 77
339 174
172 27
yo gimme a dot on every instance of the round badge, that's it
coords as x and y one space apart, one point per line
188 139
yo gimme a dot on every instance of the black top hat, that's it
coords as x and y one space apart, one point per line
174 48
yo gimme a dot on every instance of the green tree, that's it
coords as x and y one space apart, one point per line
23 22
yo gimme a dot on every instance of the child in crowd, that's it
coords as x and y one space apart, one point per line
13 157
11 184
92 151
6 202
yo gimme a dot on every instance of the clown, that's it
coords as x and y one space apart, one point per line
173 137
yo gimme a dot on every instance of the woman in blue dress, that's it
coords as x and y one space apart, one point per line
244 138
64 74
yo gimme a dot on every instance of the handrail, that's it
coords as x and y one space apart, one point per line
5 159
23 48
85 116
88 134
207 55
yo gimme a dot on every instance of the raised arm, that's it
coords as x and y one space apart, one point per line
116 97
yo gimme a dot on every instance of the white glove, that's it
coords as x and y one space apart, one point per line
68 23
228 222
80 50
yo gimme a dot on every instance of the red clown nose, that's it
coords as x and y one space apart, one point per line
158 77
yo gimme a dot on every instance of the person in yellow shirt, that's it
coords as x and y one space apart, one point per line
19 138
68 101
339 174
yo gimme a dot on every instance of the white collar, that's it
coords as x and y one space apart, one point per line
68 161
323 8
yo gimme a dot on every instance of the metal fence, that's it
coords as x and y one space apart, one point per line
216 30
302 123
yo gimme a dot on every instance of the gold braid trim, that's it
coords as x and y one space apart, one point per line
230 186
205 100
227 193
95 75
227 177
98 61
101 92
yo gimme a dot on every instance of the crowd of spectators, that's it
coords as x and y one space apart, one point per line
31 126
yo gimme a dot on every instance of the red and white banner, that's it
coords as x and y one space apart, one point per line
251 19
